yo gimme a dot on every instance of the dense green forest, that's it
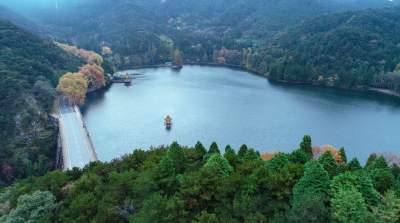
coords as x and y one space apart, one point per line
191 184
29 70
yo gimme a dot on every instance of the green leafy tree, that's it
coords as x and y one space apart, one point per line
278 161
214 149
310 208
358 180
354 164
242 151
166 168
343 155
329 163
250 155
349 206
395 170
205 217
178 156
298 156
219 163
381 179
388 208
31 208
154 210
380 163
371 159
306 146
231 156
315 181
200 148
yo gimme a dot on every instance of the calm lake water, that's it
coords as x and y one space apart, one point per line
234 106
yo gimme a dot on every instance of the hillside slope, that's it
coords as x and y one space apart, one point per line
27 65
46 32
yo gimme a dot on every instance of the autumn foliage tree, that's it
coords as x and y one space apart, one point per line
106 50
89 57
318 151
268 155
74 86
94 74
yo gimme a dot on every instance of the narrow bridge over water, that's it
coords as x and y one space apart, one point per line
77 146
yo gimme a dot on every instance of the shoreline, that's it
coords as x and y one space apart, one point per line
382 91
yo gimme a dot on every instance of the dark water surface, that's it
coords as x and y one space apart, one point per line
233 106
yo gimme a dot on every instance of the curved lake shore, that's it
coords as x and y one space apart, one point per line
234 106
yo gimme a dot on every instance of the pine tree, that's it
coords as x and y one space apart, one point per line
179 157
214 148
382 180
200 148
343 155
329 163
306 146
242 151
315 181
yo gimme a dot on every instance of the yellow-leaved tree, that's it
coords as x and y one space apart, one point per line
74 86
397 67
89 57
94 74
106 50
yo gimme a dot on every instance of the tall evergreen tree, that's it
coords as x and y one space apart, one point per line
214 148
242 151
179 157
306 146
315 181
200 148
343 155
329 163
218 162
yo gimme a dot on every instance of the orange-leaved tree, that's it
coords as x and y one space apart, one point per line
318 151
74 86
94 74
268 155
106 50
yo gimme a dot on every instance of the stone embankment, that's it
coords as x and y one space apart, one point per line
62 156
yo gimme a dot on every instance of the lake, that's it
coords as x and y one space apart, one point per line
234 106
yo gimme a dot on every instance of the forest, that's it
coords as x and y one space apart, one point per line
192 184
30 70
